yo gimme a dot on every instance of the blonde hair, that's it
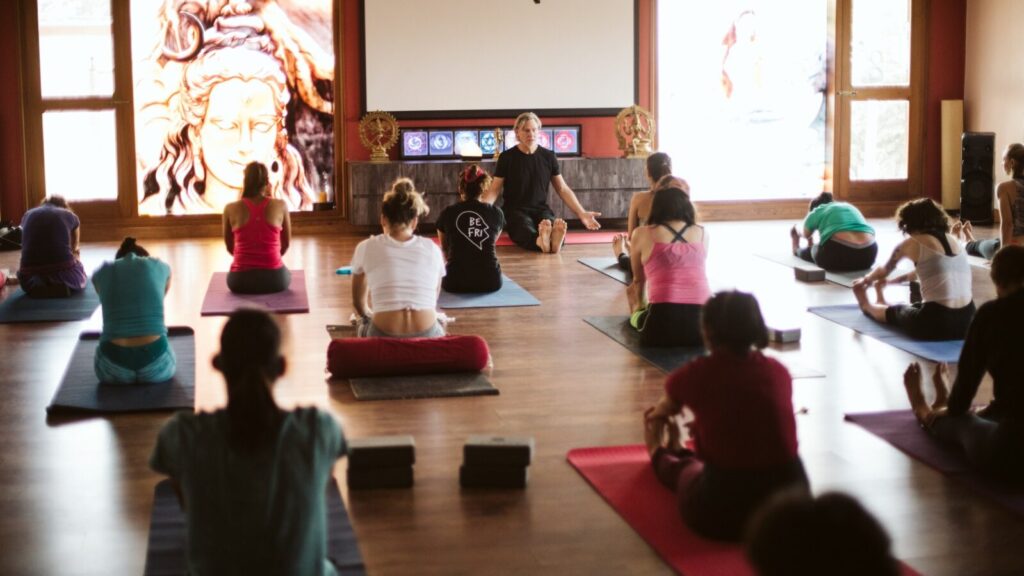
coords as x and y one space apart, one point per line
526 117
402 204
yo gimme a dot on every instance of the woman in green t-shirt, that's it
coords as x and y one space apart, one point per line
845 241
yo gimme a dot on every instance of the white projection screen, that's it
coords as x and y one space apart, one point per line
477 58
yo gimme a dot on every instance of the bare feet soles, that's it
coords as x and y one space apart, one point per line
558 235
795 237
939 378
860 291
912 382
620 245
544 236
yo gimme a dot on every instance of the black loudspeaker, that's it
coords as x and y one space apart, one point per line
977 161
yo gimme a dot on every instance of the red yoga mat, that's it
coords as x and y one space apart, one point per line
623 476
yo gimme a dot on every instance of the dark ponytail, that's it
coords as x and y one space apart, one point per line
250 361
659 165
128 246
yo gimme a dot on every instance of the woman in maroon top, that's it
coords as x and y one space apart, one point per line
743 428
257 231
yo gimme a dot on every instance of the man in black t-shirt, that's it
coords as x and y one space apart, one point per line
524 173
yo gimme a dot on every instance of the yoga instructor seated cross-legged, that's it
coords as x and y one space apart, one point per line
941 267
522 177
993 437
398 271
133 346
743 427
257 232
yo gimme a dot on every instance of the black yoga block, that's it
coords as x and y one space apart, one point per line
492 476
498 451
371 478
809 274
381 452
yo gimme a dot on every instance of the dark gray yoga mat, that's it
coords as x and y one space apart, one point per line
20 307
423 386
609 267
668 359
510 294
850 315
81 391
220 301
165 555
841 278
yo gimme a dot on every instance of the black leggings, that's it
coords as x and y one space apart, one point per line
666 324
931 320
477 282
259 280
836 256
521 226
991 447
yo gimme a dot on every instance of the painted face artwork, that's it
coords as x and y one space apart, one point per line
240 127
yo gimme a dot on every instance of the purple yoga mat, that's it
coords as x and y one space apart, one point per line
220 301
900 428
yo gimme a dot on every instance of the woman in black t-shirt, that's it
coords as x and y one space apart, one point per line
468 231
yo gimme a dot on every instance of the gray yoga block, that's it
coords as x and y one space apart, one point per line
381 452
498 451
809 274
374 478
784 335
493 476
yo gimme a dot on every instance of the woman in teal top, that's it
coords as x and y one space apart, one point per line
252 477
133 346
845 241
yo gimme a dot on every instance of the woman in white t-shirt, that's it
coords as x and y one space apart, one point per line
398 271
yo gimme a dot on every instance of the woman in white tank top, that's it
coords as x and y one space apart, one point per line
940 264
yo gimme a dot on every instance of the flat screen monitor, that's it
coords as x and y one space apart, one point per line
441 142
414 144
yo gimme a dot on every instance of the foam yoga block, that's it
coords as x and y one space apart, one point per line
497 451
377 478
493 476
368 357
809 274
784 335
381 452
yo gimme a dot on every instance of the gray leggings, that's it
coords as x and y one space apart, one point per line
260 280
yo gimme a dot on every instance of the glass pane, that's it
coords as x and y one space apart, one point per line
76 53
880 50
879 139
80 152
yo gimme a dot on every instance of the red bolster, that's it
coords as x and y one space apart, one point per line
364 357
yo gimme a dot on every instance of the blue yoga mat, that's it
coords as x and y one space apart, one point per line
510 294
850 315
609 267
165 555
81 391
20 307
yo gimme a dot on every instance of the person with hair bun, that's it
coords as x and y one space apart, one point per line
257 232
1011 208
467 231
659 174
50 267
993 437
743 428
133 346
845 240
941 267
398 271
251 477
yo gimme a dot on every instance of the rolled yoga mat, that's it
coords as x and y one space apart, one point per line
423 386
165 554
81 391
851 316
220 301
510 294
609 267
19 307
623 476
669 358
900 429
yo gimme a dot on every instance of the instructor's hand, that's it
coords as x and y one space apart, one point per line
589 220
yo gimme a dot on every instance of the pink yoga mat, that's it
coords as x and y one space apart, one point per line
571 237
623 476
220 301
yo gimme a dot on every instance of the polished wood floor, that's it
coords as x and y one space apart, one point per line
75 495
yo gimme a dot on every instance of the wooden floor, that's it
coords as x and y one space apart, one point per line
75 495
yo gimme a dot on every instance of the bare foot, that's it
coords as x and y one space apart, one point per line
956 230
880 292
860 292
544 236
912 382
558 235
652 434
969 231
940 378
619 244
795 237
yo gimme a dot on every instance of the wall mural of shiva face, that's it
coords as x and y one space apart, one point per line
228 83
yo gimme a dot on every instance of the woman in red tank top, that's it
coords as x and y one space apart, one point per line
257 232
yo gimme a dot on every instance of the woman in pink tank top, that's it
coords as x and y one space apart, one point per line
257 232
669 283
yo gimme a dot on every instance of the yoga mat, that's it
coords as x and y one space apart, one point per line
571 237
850 315
20 307
841 278
609 267
510 294
424 386
165 554
900 429
81 391
220 301
623 476
668 359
